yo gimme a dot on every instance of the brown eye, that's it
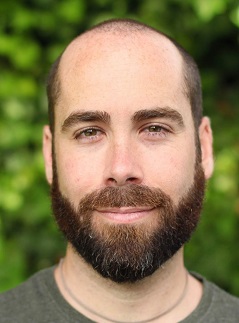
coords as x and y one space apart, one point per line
89 135
155 129
90 132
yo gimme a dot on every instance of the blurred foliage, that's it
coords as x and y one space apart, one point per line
32 34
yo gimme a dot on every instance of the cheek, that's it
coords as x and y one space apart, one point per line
77 176
172 171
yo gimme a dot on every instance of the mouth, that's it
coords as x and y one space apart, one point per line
125 214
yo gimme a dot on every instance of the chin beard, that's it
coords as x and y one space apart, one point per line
129 252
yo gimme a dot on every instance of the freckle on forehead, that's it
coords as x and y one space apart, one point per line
91 47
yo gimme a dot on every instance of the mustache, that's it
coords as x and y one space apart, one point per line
131 195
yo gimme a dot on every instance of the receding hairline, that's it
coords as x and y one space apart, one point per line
118 28
128 27
122 28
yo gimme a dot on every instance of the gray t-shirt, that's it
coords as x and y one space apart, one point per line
38 300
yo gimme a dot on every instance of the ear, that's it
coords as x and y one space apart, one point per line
47 153
206 141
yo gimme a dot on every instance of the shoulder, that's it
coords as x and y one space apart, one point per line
223 301
34 285
28 299
215 306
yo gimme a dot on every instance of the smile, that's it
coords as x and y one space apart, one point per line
125 214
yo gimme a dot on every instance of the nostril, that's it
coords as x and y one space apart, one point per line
129 180
132 180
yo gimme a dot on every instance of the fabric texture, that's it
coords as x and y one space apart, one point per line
39 300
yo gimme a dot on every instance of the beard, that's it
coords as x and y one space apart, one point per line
129 252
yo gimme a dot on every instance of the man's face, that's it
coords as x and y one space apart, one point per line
123 121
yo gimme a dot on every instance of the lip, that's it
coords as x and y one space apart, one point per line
125 214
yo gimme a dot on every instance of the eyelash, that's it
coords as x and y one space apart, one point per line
81 135
162 133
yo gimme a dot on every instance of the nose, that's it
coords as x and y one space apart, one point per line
122 166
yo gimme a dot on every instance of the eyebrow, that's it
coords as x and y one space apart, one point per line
102 116
159 112
87 116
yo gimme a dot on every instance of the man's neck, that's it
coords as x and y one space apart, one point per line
169 295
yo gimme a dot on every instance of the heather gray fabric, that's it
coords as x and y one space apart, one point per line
38 300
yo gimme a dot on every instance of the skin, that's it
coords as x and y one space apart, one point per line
121 75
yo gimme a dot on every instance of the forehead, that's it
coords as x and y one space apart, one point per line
106 70
107 51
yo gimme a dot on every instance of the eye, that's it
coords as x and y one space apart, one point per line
155 128
155 132
89 134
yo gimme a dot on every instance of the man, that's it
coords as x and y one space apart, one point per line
127 154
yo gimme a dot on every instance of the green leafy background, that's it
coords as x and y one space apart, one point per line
32 35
